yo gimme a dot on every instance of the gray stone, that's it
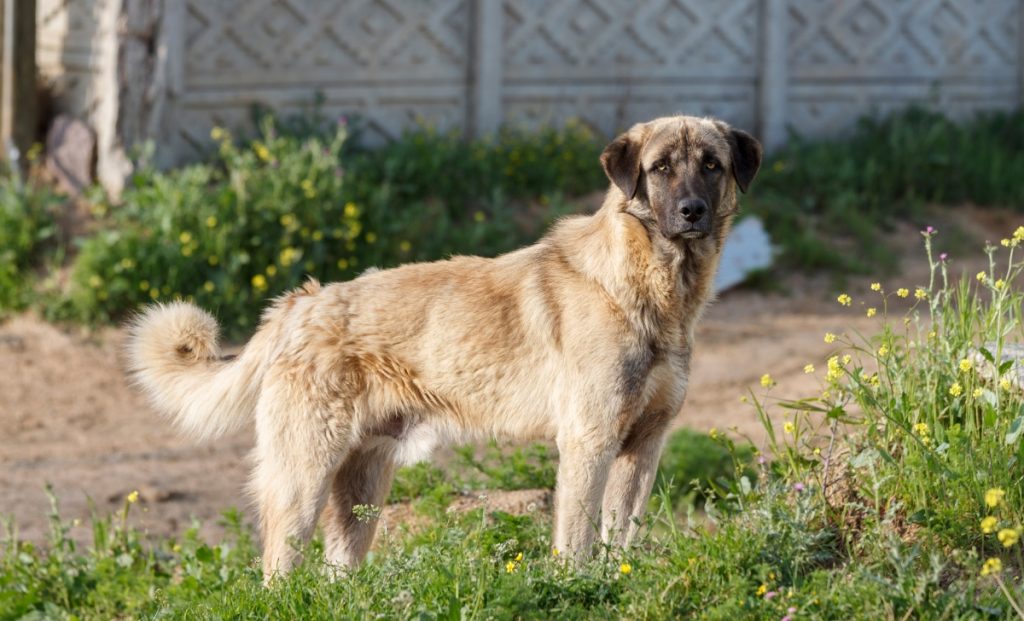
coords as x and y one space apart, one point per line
71 154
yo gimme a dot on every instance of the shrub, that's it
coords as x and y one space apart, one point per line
812 192
265 215
27 228
931 409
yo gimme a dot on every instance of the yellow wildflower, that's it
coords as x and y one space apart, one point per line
510 567
956 389
992 566
186 251
519 557
218 133
259 282
876 286
988 524
883 351
307 188
1008 537
625 568
185 237
872 311
95 281
288 256
371 237
847 358
920 293
133 497
844 299
208 286
789 427
261 151
287 220
404 245
835 370
1019 233
921 429
999 284
903 292
211 221
342 264
1004 384
127 263
713 434
318 235
994 497
761 590
1005 243
977 392
271 270
351 210
966 365
554 551
982 276
808 368
830 338
767 381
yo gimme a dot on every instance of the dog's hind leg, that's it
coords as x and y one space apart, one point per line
297 451
364 478
631 478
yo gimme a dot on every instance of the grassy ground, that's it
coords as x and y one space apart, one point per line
895 492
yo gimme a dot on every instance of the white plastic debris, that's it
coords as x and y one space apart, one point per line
747 249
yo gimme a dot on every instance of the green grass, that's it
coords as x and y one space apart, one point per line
869 504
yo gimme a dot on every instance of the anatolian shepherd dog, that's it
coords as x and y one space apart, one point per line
584 337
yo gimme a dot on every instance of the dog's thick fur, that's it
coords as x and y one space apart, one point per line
584 337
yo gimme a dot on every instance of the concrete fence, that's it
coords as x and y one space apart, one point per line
171 69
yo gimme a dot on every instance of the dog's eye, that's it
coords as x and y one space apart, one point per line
661 167
711 165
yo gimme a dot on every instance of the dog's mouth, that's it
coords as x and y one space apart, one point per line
693 235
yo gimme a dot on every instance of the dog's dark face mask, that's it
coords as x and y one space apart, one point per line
678 173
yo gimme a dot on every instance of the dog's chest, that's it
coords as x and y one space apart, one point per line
647 366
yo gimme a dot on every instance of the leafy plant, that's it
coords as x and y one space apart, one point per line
27 229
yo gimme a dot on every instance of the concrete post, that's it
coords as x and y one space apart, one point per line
773 75
18 97
486 54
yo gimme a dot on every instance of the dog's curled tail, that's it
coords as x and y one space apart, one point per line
174 356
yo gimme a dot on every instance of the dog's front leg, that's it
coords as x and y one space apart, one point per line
631 477
584 461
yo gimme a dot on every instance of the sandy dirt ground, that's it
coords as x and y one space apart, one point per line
68 418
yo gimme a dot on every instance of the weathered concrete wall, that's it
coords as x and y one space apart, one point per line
766 65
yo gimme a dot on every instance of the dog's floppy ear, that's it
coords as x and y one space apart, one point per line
621 162
746 156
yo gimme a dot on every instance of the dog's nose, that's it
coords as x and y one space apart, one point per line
693 209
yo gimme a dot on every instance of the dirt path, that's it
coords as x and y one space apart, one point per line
68 417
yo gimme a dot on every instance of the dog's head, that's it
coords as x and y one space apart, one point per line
678 173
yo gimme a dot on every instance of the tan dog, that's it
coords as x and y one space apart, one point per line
584 337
